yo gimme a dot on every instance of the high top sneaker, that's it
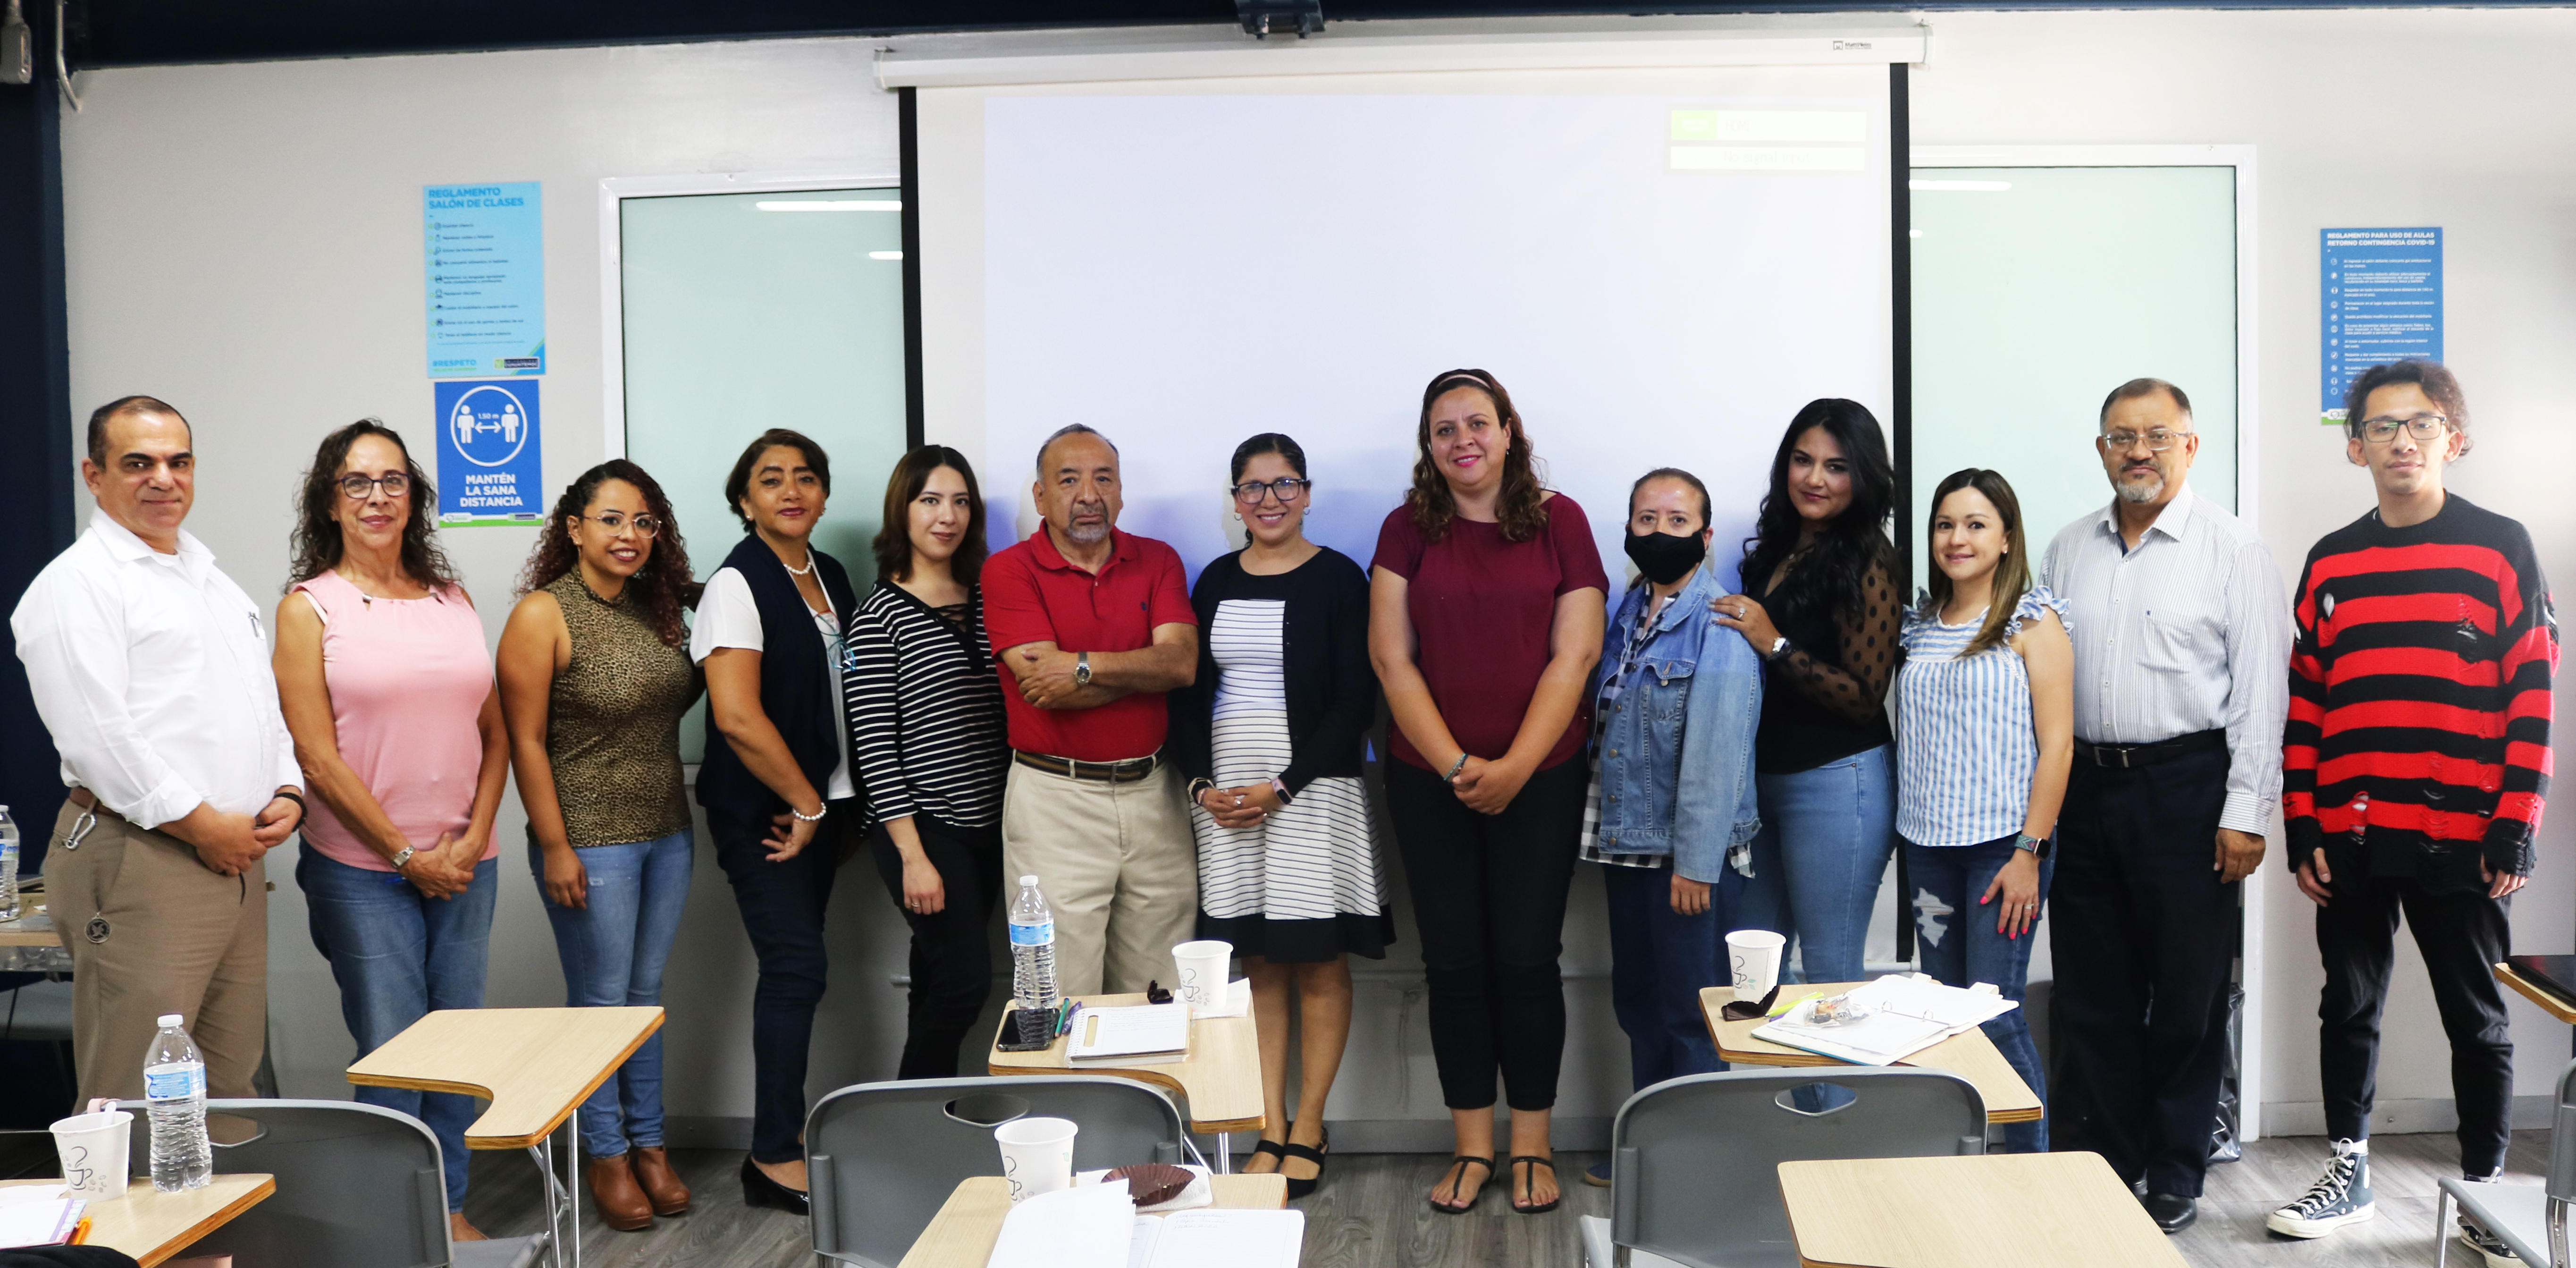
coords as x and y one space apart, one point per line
2497 1252
2341 1196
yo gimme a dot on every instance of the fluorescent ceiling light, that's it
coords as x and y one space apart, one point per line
1960 187
820 204
885 255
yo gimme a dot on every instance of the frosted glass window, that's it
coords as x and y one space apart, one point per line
2039 289
749 311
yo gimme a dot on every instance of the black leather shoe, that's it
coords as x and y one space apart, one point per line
759 1190
2172 1212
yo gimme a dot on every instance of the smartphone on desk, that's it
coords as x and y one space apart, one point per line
1020 1024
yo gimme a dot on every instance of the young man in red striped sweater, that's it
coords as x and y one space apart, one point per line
2414 767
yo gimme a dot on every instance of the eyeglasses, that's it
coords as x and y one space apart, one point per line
644 525
1288 490
2381 431
356 487
2158 440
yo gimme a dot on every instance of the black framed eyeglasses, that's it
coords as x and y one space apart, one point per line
356 487
613 522
2381 431
1287 489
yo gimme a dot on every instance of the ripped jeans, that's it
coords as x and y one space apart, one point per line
1961 948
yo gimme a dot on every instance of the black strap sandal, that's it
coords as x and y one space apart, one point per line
1315 1154
1274 1148
1458 1164
1532 1186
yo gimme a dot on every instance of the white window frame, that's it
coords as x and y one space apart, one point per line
2250 1056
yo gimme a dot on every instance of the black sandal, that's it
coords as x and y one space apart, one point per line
1457 1164
1532 1187
1315 1154
1274 1148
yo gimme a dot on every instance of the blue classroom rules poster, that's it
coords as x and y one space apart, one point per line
484 249
2380 300
491 461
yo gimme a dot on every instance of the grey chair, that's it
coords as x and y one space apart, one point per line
2531 1219
357 1187
882 1158
1694 1161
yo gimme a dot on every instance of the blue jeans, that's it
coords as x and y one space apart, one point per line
1826 836
613 951
398 954
1659 962
1961 948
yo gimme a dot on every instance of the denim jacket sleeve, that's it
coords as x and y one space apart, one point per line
1717 806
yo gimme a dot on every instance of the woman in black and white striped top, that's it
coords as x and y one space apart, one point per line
927 734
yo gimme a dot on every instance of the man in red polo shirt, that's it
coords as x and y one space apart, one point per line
1091 627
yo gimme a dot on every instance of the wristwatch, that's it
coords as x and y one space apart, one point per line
1779 648
1279 788
2036 845
1082 669
403 856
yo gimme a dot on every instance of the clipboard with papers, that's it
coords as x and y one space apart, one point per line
1905 1015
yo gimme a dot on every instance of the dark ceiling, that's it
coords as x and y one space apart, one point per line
144 32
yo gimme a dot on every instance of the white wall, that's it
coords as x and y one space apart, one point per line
244 240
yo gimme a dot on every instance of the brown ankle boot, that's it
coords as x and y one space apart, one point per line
661 1184
612 1188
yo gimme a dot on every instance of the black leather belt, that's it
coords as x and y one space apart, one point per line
2133 756
1126 772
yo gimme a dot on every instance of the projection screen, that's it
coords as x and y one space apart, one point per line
1661 265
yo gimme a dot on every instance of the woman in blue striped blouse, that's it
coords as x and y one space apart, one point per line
1985 731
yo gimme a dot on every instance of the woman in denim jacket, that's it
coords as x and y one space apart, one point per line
1671 815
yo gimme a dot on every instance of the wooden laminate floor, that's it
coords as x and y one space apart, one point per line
1370 1213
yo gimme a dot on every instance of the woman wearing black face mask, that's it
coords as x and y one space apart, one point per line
1671 814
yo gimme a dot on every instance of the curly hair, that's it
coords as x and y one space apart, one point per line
1519 505
1856 541
663 588
315 540
2433 378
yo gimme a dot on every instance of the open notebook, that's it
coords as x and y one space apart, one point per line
1096 1226
1907 1015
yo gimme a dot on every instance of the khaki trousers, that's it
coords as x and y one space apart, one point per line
1119 869
151 930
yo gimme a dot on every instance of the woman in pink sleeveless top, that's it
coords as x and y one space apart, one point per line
383 676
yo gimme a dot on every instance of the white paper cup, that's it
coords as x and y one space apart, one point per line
93 1149
1037 1155
1199 970
1753 955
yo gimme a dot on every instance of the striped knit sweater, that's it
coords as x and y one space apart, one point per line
2418 738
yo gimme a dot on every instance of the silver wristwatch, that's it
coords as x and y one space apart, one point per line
403 856
1779 648
1082 669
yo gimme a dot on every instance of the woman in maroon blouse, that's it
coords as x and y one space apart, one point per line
1485 613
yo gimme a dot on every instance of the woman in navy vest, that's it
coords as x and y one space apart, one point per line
776 780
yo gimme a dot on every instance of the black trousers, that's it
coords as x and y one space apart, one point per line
1489 900
782 911
2145 939
2462 935
952 949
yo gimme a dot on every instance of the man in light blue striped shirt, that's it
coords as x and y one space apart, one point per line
2182 644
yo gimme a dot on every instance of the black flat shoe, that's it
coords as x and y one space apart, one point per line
1457 1164
1531 1188
2172 1212
1299 1188
759 1190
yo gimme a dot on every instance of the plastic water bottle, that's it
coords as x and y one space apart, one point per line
8 866
1033 949
174 1082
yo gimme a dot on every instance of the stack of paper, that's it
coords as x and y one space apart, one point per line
38 1215
1147 1034
1205 1238
1096 1226
1908 1014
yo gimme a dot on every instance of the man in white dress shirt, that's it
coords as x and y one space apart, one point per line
151 669
2182 645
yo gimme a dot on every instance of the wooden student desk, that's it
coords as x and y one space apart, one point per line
1971 1055
1979 1211
29 943
535 1066
152 1226
1220 1080
2535 992
963 1233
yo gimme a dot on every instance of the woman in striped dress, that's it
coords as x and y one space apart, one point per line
1269 737
926 731
1985 731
